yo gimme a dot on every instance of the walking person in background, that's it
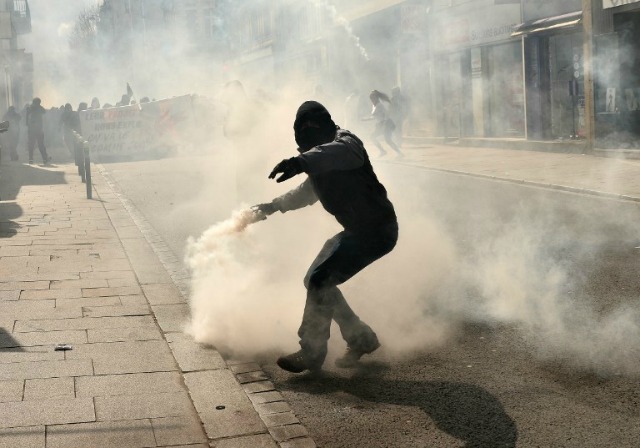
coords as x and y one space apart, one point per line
12 137
35 130
383 124
341 177
398 111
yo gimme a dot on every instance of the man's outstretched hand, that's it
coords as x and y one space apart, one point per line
261 211
288 167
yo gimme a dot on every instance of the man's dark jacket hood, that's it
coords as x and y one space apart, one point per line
313 112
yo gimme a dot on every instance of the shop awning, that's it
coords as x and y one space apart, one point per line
547 24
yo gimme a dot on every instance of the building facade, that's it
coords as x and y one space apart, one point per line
478 69
498 70
616 68
16 85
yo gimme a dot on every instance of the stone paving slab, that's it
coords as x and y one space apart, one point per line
109 275
11 390
46 412
138 383
37 309
49 388
88 302
9 295
45 369
185 429
43 338
119 291
162 294
255 441
140 333
26 437
30 354
43 294
21 286
80 284
117 310
118 282
136 407
119 434
126 357
192 356
211 390
134 299
85 323
171 317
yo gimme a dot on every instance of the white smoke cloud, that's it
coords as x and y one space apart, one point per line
248 294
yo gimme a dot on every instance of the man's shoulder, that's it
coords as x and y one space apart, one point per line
345 136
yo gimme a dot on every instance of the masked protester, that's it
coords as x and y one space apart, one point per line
341 177
35 130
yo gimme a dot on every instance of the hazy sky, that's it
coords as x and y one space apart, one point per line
51 21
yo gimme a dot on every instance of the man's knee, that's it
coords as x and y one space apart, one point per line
319 279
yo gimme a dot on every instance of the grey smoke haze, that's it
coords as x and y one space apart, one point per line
52 21
247 288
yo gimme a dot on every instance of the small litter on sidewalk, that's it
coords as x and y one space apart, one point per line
62 347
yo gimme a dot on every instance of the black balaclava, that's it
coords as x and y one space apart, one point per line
313 126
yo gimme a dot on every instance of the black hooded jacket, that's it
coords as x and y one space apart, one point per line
342 178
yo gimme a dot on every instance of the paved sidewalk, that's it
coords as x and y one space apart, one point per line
79 272
602 176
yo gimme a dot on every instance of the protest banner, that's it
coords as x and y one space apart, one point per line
138 130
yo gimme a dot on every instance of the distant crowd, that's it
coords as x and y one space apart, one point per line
34 126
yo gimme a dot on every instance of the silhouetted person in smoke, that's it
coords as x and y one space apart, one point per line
398 111
383 124
95 103
35 130
341 177
124 101
12 137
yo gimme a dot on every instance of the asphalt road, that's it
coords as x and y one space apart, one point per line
560 372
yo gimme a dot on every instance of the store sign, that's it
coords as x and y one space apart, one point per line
606 4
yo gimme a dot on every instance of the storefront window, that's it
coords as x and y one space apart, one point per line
566 65
505 102
628 99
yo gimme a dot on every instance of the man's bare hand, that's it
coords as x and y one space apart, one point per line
288 167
